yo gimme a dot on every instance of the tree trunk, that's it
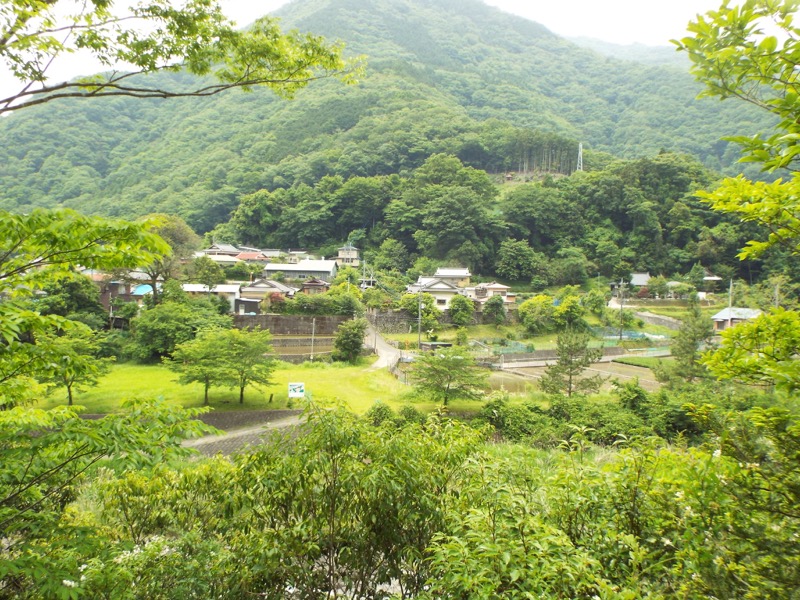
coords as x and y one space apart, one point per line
241 394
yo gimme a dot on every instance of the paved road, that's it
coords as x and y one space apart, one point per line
236 440
387 354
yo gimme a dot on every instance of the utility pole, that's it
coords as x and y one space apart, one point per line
730 303
621 305
419 319
313 332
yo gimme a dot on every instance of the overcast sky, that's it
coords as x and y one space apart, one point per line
650 22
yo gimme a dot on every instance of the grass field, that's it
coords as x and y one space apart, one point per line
648 362
356 386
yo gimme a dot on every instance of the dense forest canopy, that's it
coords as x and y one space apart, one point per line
498 92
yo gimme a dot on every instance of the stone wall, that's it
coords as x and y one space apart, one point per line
651 319
291 324
399 321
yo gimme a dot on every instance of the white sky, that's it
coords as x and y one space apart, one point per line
649 22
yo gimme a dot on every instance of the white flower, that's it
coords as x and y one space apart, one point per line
69 583
717 453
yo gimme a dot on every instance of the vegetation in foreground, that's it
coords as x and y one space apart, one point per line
397 505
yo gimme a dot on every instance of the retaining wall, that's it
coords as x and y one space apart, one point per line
291 324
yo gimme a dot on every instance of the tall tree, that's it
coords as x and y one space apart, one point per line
349 340
461 310
198 361
247 353
686 346
566 376
736 56
37 249
182 243
495 310
74 363
448 373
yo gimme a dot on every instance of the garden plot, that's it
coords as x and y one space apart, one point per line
609 370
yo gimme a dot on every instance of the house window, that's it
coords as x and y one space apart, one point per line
441 301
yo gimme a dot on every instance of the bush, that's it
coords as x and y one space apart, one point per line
379 413
526 423
408 414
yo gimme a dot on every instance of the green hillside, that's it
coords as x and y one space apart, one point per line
500 92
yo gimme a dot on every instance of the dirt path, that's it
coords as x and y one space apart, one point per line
236 440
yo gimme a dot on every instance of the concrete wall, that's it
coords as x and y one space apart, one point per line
668 322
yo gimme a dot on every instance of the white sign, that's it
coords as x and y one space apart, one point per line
297 390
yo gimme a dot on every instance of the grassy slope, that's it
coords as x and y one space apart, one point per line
357 387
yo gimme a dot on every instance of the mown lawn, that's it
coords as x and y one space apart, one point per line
356 386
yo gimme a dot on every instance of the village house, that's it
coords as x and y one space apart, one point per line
222 259
458 277
321 269
442 291
229 291
348 256
728 317
264 288
480 293
221 250
314 285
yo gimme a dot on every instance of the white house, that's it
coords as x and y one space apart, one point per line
262 288
321 269
442 291
458 277
483 291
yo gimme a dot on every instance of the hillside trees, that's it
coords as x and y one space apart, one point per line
150 37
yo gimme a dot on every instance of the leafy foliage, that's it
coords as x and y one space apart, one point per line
448 373
151 37
566 376
461 310
349 340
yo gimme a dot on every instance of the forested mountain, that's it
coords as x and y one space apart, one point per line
649 55
458 77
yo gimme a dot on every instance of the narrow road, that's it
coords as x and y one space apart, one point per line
387 354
